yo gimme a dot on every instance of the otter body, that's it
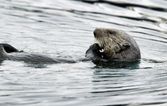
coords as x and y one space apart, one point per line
8 52
113 46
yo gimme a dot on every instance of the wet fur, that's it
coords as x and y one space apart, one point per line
117 45
8 52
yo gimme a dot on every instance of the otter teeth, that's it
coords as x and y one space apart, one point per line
102 50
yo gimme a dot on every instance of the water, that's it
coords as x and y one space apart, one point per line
63 28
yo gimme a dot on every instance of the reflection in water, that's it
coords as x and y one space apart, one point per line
110 82
117 65
129 86
63 28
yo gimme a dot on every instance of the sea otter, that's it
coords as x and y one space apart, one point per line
113 46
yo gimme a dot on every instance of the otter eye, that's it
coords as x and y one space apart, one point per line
111 32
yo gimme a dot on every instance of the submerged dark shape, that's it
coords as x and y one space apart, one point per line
113 47
8 52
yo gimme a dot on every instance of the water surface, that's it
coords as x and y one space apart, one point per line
63 28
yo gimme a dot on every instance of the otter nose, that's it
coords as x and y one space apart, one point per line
97 32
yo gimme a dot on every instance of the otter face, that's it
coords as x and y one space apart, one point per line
111 41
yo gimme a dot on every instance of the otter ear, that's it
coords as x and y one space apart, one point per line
125 45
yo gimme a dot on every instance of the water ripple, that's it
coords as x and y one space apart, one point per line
63 28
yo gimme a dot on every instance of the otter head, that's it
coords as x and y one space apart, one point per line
115 45
111 41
